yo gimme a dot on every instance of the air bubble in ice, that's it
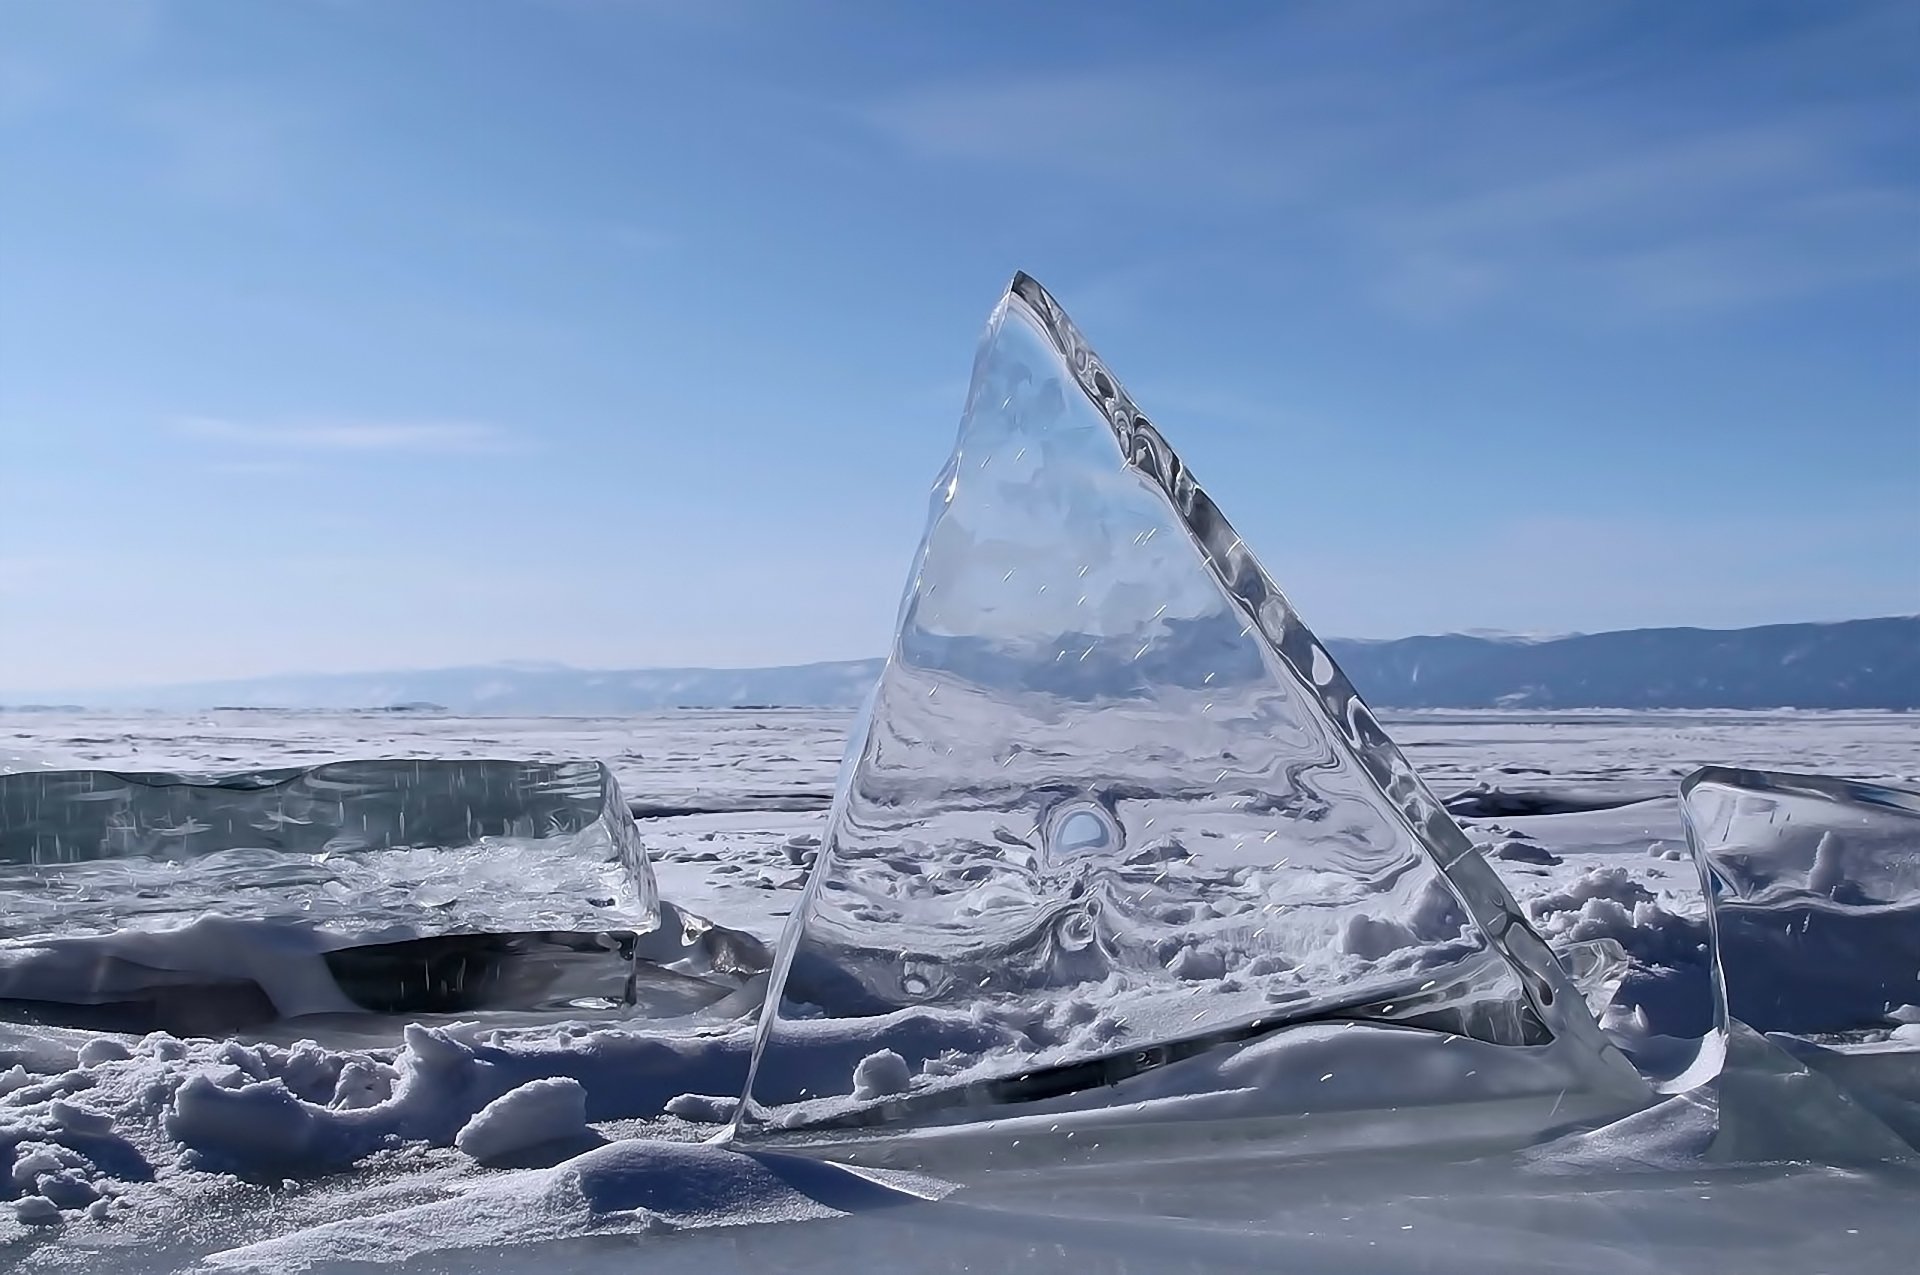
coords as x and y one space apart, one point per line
1083 828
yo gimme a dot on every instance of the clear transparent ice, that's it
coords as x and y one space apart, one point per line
211 903
1813 889
1111 794
368 846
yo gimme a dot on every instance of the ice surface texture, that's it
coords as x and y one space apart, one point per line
139 901
1814 889
1109 788
408 847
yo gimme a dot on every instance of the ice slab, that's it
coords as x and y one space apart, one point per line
416 847
1814 887
216 902
1111 792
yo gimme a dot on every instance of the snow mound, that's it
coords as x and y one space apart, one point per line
519 1125
703 1108
880 1074
631 1187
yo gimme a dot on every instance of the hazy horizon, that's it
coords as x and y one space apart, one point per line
558 666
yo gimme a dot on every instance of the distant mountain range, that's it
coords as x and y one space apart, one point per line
513 688
1849 664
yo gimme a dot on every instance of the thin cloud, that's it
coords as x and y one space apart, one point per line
1511 175
1715 218
1163 132
425 438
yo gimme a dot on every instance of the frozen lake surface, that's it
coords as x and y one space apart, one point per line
162 1173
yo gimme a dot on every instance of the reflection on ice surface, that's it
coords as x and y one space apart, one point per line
1814 884
1111 790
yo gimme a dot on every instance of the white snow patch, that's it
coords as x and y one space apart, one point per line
880 1074
701 1108
540 1113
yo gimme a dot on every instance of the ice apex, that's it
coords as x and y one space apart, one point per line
1111 790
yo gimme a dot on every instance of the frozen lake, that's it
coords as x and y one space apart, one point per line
727 755
723 797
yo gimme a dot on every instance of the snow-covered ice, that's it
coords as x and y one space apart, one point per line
350 1137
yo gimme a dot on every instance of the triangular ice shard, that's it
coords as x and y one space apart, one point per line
1112 805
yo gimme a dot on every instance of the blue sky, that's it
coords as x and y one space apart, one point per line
356 334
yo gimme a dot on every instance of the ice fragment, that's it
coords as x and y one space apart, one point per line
989 848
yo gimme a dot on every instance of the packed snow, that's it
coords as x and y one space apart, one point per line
449 1146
